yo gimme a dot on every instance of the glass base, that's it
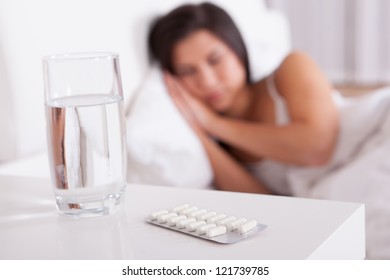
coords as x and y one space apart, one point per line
90 208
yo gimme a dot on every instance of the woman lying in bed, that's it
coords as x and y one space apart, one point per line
288 118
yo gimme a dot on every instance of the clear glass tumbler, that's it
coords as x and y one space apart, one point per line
86 132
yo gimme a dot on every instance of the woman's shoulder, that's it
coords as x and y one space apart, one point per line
295 61
297 72
292 66
296 69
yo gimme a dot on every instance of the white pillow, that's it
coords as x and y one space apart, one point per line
162 148
265 32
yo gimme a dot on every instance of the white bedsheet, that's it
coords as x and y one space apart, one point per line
360 169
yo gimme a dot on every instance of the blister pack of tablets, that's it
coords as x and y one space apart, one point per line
205 224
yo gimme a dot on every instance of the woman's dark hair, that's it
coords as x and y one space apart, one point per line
166 31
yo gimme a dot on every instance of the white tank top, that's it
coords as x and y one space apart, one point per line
272 173
281 110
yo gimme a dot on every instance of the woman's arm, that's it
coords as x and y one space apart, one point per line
296 143
229 175
310 137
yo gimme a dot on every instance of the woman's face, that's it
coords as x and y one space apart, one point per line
209 69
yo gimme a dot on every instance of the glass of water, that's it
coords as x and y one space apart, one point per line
86 132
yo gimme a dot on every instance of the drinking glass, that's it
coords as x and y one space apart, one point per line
86 132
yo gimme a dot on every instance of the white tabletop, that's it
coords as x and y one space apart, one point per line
30 227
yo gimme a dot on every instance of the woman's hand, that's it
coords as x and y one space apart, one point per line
198 114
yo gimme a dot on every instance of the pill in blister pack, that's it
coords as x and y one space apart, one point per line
205 224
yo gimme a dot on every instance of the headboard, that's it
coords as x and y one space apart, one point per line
32 29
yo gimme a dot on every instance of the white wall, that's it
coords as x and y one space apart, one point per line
30 30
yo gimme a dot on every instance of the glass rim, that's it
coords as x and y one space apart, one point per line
69 56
